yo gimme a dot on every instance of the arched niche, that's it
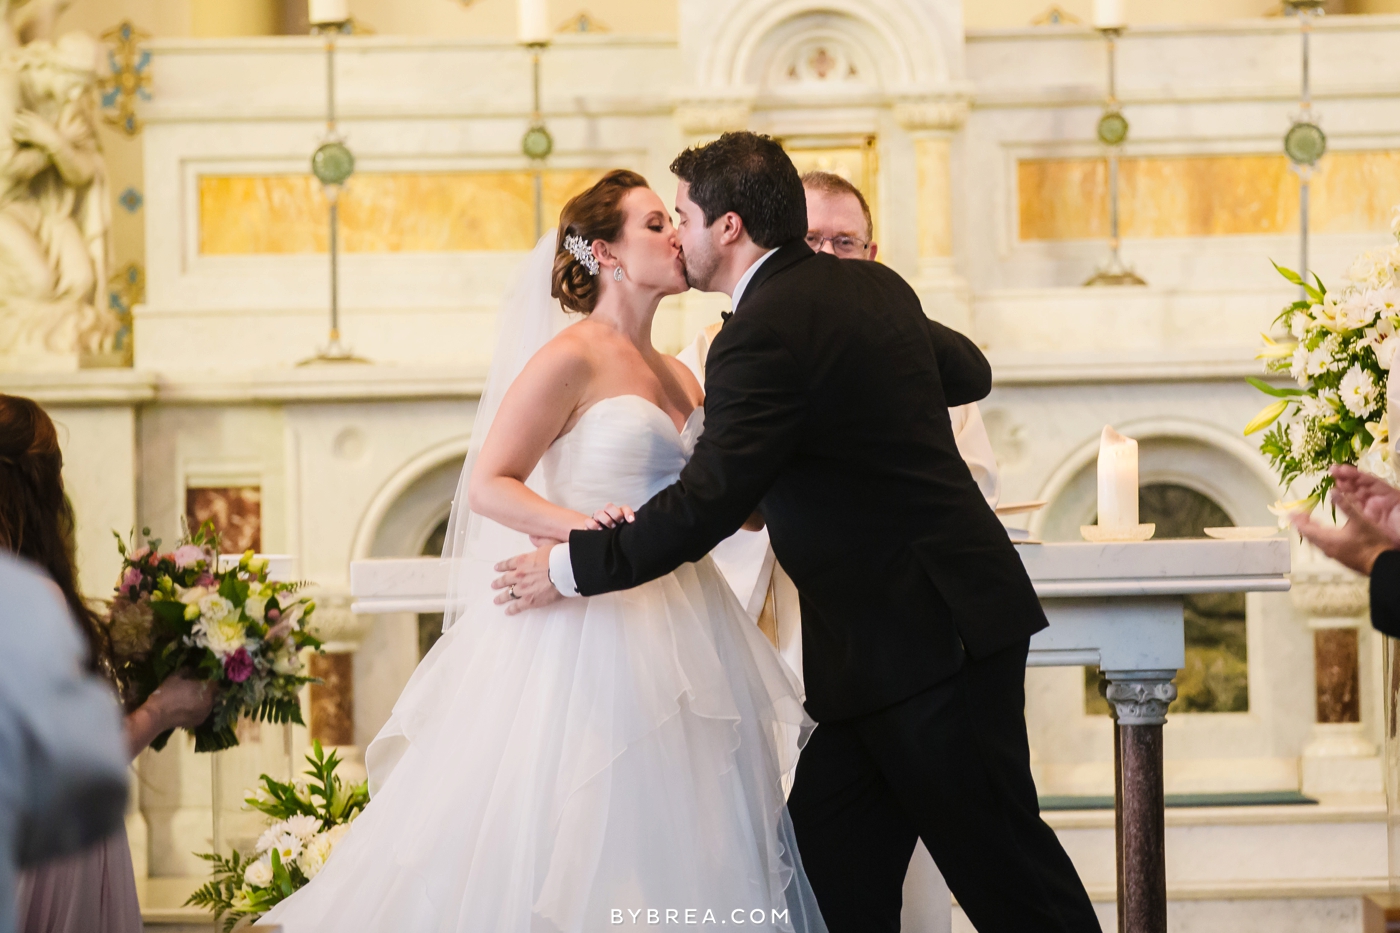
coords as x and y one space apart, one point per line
1220 466
399 523
911 46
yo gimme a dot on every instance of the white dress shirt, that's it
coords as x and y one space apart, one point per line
561 567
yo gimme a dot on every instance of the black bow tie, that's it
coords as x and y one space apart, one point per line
726 315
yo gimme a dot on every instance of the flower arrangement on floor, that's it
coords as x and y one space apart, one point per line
1343 345
178 611
308 820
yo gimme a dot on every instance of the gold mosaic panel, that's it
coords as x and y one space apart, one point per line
1067 199
389 212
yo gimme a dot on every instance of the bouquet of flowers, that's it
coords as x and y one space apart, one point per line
178 611
308 820
1340 357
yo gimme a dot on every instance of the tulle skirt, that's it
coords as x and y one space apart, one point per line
605 763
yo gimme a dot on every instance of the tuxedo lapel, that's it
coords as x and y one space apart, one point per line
789 253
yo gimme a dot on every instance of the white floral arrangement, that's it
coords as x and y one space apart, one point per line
309 819
1342 347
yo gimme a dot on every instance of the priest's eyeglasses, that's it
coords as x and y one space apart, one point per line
844 246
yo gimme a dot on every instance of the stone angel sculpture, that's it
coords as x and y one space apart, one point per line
54 210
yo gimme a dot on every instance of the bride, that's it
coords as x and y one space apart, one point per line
598 763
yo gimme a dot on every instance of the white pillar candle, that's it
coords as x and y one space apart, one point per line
534 20
1118 480
1108 14
328 11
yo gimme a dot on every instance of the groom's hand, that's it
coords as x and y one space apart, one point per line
525 579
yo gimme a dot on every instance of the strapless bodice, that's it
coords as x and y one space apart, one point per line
623 450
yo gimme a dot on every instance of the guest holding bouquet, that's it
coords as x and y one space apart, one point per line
93 891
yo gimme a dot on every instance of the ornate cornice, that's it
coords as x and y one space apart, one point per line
1331 595
931 112
333 622
700 116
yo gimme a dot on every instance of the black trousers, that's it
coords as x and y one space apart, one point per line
951 766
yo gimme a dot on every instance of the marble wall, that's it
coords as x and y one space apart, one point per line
977 153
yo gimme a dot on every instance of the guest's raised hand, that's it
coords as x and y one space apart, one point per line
1356 544
1377 500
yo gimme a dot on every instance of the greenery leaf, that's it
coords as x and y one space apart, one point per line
1276 392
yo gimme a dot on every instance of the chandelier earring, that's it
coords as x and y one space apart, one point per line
617 273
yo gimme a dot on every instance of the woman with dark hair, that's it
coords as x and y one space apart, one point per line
95 890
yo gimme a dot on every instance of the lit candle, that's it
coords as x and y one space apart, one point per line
1118 481
534 20
1108 14
328 11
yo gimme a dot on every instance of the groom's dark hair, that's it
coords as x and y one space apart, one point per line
752 176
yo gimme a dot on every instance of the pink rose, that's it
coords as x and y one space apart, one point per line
187 555
238 666
139 554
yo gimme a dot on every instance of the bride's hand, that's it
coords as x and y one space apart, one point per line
609 516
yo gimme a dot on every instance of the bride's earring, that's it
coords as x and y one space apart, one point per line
617 273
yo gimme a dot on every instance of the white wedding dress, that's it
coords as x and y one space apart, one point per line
573 767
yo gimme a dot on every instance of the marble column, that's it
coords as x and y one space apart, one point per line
1139 700
1338 756
331 704
931 123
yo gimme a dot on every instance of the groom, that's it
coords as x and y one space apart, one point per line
827 411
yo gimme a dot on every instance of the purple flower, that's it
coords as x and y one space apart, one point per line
238 666
187 555
131 581
205 579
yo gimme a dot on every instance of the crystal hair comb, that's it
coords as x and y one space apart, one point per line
582 251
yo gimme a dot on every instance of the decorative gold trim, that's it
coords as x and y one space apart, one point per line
130 77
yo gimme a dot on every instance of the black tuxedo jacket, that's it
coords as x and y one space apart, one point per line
826 409
1385 594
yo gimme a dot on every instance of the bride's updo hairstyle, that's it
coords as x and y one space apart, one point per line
596 214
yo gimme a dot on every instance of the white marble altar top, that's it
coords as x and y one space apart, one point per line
1058 570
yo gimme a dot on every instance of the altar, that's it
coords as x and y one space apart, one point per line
1117 607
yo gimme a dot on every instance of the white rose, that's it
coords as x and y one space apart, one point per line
192 595
337 833
313 857
259 874
222 637
303 826
214 608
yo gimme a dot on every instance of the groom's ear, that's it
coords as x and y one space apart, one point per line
731 229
